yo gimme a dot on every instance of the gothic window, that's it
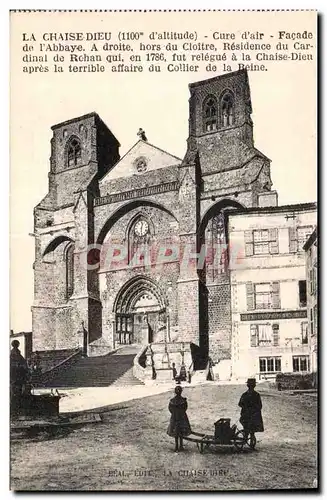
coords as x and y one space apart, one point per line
217 255
210 114
227 110
69 256
74 152
139 242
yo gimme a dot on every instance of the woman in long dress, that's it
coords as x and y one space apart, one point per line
179 424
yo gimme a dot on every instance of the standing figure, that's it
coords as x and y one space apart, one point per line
35 364
142 135
179 424
19 375
173 367
182 373
251 405
211 375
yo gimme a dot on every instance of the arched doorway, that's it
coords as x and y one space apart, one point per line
140 312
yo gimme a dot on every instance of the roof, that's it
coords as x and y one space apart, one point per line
149 144
93 114
310 241
219 77
300 207
232 178
139 148
72 120
19 334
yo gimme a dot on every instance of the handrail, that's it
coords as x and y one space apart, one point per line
48 374
138 370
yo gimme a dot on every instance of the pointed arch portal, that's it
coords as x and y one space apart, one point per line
140 312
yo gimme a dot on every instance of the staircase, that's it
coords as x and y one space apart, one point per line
50 359
99 371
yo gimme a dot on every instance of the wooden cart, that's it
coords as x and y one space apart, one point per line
235 438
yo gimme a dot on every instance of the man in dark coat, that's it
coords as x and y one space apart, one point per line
251 405
19 374
179 425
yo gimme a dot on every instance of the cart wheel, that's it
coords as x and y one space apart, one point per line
252 441
239 440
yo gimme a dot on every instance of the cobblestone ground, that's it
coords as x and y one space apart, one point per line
130 450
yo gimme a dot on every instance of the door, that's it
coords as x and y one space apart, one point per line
124 328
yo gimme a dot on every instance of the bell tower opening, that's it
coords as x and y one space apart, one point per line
220 113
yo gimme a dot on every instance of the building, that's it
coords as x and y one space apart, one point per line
268 289
115 238
311 254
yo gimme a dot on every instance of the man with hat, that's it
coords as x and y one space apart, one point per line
251 405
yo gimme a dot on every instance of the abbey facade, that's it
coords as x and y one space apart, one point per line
115 237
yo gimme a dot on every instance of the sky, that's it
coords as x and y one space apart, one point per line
283 101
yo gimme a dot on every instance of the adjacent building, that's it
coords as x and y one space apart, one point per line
311 253
269 289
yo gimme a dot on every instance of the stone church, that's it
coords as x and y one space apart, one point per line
104 217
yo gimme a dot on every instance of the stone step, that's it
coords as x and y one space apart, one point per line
112 369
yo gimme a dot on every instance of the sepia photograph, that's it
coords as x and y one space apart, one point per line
164 251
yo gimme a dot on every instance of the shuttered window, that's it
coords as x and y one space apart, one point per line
250 296
311 322
313 280
275 295
261 242
304 332
263 295
248 237
303 293
254 335
273 241
275 334
262 335
292 238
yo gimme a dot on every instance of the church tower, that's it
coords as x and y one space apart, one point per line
232 174
220 116
66 294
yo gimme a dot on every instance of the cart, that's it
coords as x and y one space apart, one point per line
225 436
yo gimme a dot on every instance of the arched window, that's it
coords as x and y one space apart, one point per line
69 256
74 152
210 114
227 110
217 258
139 241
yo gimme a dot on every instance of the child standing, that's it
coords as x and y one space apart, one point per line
179 425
